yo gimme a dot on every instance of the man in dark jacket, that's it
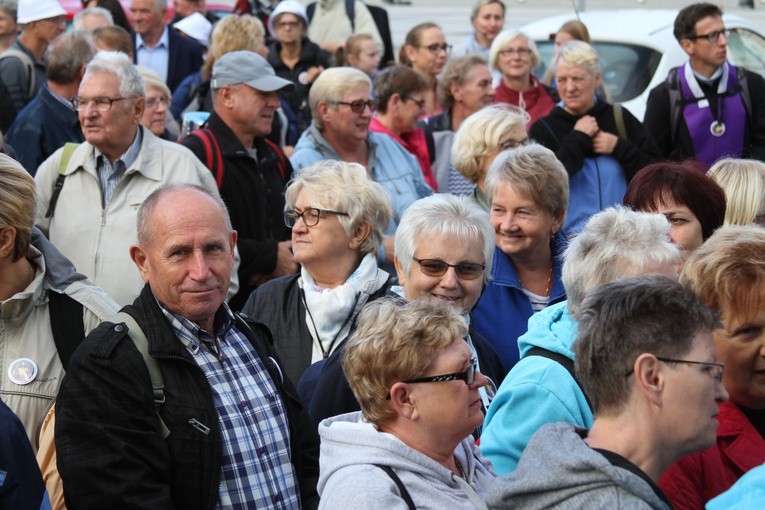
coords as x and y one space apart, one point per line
254 171
237 435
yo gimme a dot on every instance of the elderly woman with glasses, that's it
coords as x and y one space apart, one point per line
337 216
342 111
515 56
444 245
417 384
425 50
527 188
600 145
158 99
728 273
481 138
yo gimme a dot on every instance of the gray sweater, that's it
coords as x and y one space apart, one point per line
348 478
559 470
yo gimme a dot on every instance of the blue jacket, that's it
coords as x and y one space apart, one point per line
391 165
502 314
41 128
747 494
537 391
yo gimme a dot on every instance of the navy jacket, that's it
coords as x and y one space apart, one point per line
21 484
41 128
185 57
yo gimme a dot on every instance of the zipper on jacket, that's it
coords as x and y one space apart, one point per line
201 427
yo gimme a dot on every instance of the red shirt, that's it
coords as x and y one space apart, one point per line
415 143
536 101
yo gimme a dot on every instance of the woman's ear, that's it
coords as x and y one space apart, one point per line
359 235
7 241
649 378
402 401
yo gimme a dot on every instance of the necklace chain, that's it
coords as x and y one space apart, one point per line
549 281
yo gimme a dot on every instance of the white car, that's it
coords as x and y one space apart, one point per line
637 49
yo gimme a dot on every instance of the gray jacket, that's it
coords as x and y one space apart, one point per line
559 470
348 477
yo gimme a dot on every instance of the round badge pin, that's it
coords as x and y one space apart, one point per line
717 128
22 371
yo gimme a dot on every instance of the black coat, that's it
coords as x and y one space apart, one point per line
111 453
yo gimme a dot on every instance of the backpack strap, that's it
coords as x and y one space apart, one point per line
672 84
66 324
66 155
621 130
157 381
743 88
281 164
430 141
310 10
29 66
562 360
213 154
350 10
401 487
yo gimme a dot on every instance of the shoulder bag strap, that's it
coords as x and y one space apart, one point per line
401 487
562 360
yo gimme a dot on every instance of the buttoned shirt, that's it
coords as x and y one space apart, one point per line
157 57
256 467
109 175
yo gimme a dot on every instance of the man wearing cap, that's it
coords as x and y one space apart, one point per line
22 70
254 171
91 219
168 53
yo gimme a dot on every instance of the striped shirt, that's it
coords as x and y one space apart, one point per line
256 471
109 176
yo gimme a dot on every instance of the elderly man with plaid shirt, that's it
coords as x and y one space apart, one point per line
238 437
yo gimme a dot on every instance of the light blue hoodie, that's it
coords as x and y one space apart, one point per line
537 391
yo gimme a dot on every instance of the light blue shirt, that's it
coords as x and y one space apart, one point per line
154 57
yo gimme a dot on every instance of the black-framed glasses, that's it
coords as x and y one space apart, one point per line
468 376
359 105
464 270
419 102
521 52
435 48
712 37
715 369
102 103
310 216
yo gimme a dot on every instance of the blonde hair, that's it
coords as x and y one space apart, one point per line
396 341
479 135
743 181
18 201
579 54
151 78
233 33
504 39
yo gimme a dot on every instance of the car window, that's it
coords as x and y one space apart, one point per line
747 49
627 69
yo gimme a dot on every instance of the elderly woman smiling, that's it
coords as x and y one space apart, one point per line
417 384
528 192
443 245
337 216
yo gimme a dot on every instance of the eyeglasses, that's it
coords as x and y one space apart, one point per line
464 270
714 369
419 102
287 24
153 102
468 376
435 48
359 105
310 216
513 144
712 37
102 103
513 51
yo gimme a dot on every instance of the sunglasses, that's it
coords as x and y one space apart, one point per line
468 376
464 270
359 105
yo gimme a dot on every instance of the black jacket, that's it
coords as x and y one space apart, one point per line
110 451
254 195
658 121
279 305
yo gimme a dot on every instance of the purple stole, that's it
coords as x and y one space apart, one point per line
713 138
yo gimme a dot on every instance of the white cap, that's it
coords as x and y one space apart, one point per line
286 6
197 27
35 10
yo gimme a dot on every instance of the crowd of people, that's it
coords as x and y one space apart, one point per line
252 262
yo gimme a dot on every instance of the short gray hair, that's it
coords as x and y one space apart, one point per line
149 205
615 243
456 72
428 219
579 54
118 64
505 38
345 187
536 172
77 22
479 135
332 84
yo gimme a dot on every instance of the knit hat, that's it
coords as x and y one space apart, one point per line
197 27
248 68
290 7
36 10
